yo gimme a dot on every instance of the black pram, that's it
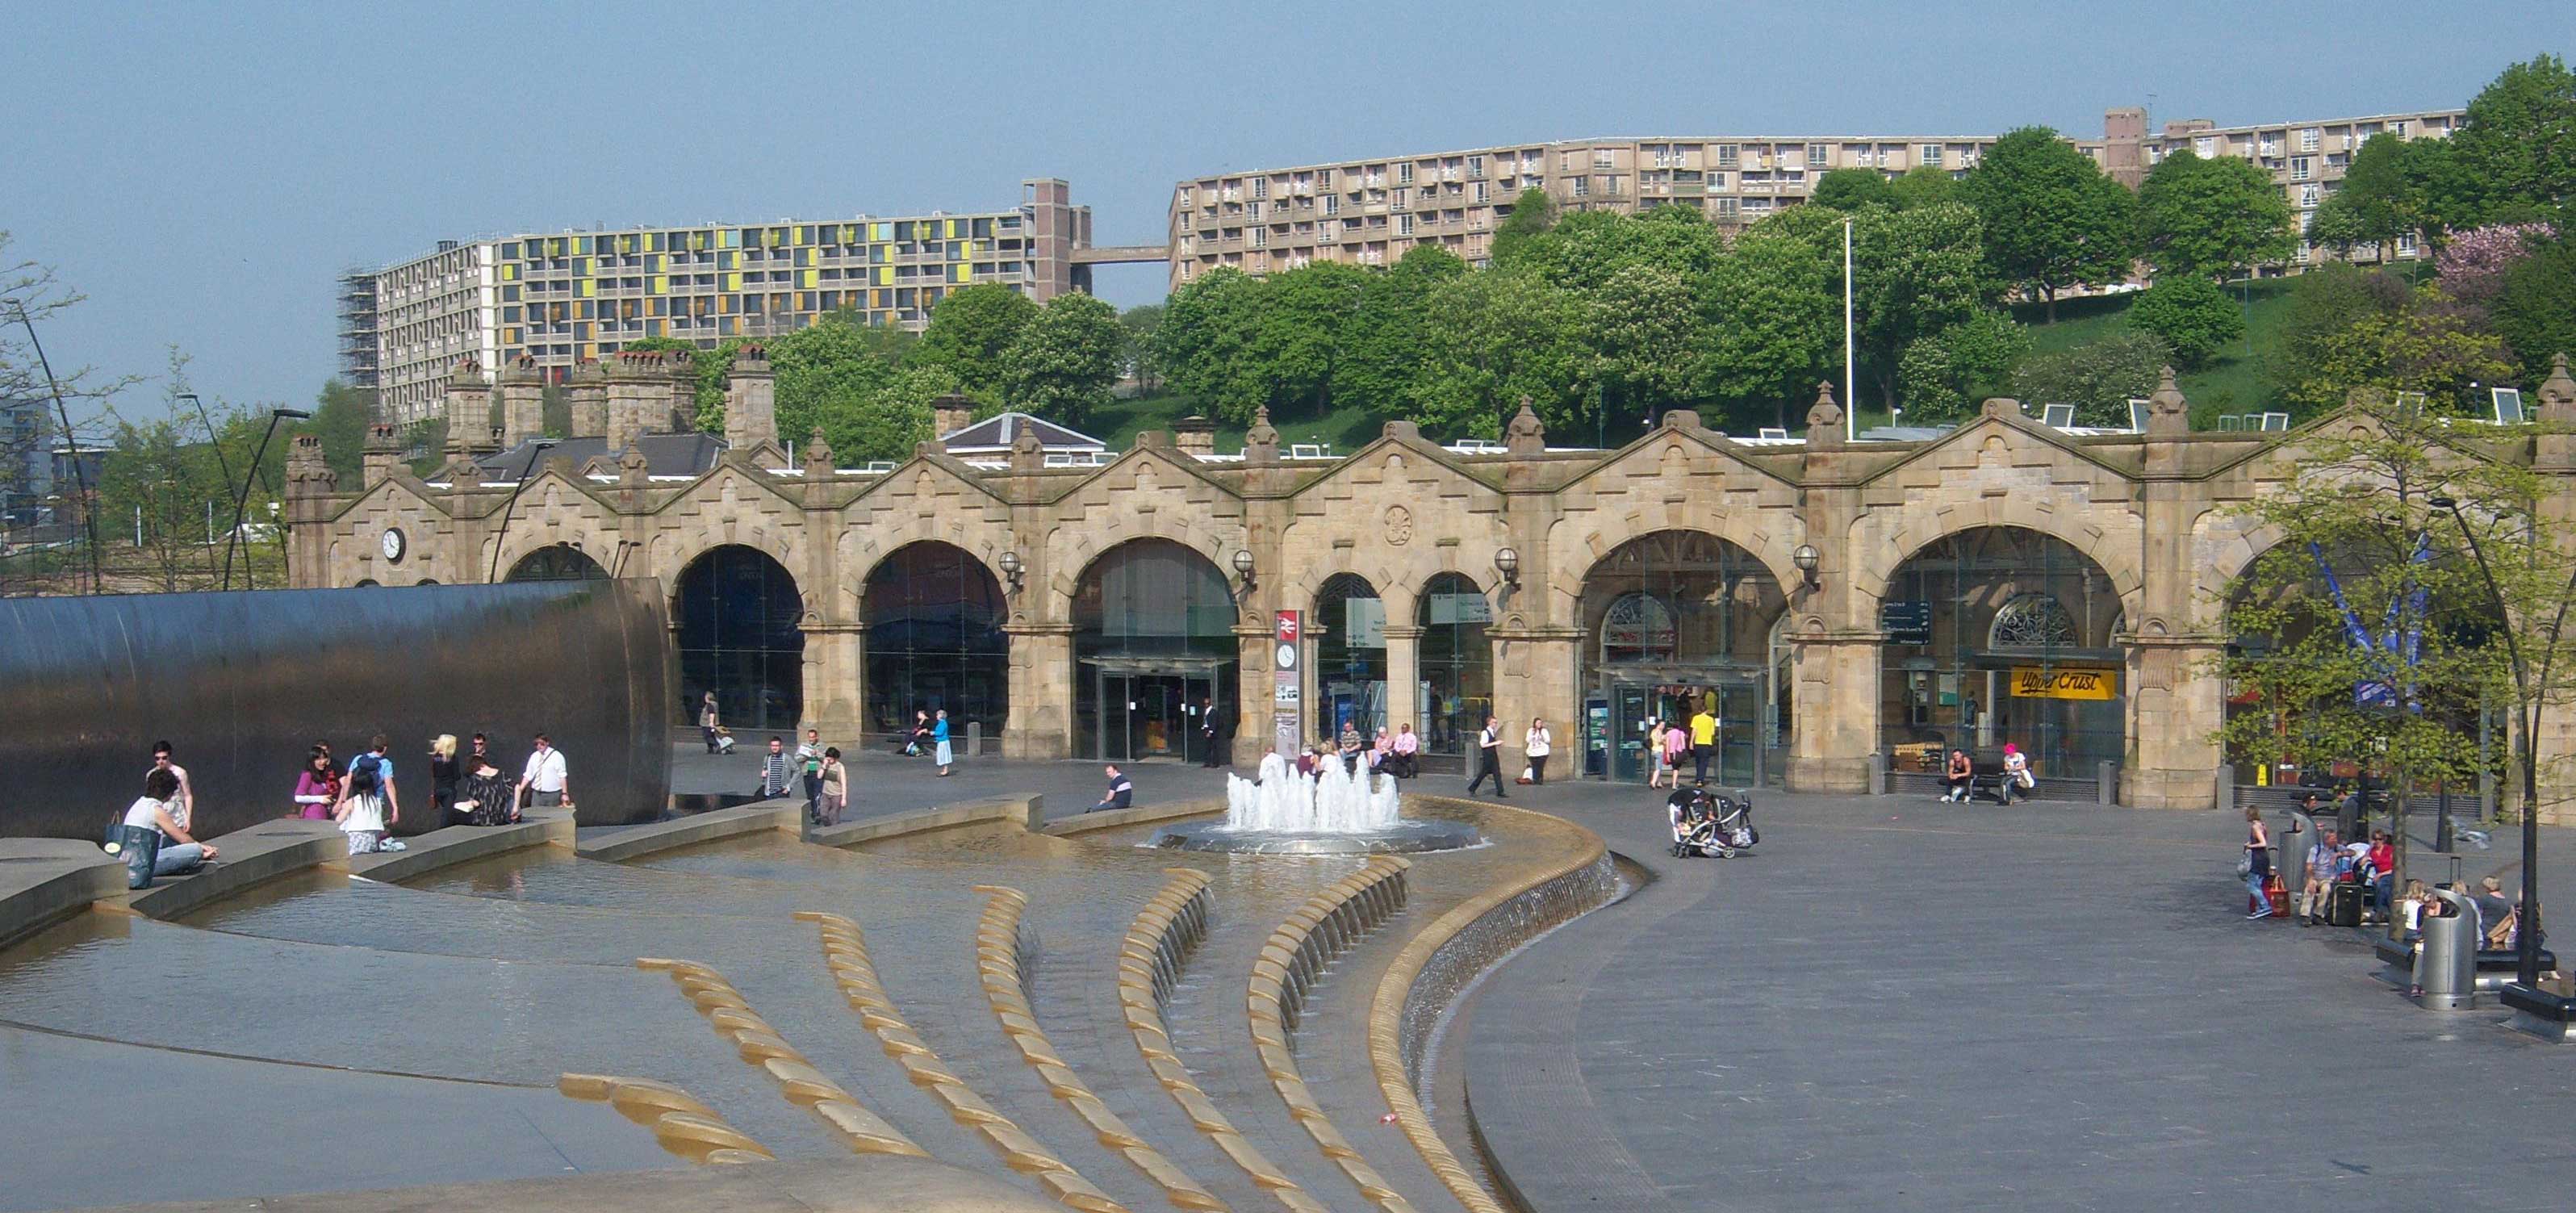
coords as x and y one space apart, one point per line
1710 825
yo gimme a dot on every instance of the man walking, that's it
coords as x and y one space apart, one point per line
1489 758
1703 735
545 777
809 758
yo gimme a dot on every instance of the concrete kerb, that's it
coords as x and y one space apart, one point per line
1024 811
876 1184
261 853
45 880
453 845
614 844
1141 815
1401 1013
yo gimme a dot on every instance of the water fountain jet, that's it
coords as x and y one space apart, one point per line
1332 812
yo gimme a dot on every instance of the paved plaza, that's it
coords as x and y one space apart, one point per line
1891 1004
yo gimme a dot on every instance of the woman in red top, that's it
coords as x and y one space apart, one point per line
2383 865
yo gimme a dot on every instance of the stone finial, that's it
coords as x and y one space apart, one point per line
1401 429
1824 419
1681 419
1028 455
2168 413
1158 439
558 465
632 470
2557 394
1261 442
1525 435
2002 406
818 454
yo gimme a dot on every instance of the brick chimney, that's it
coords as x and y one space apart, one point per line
588 388
751 401
381 454
1194 435
469 408
949 414
523 413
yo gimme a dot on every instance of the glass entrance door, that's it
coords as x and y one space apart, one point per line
1147 715
1630 705
1739 733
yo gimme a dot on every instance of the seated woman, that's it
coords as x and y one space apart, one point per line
486 797
178 852
2017 776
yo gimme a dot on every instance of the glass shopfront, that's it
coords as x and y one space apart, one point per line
1681 621
935 640
1153 638
1457 663
736 612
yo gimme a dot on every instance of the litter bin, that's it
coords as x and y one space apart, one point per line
2446 961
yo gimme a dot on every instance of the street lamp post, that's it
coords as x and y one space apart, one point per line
2527 710
536 447
222 465
80 474
242 501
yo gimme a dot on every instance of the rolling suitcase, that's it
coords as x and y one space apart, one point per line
2343 904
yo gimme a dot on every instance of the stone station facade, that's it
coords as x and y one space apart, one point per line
2155 516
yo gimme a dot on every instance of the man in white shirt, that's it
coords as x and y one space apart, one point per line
545 776
183 807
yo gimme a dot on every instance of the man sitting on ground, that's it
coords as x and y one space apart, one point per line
1121 792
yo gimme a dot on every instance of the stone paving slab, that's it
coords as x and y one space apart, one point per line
1893 1004
43 880
883 1184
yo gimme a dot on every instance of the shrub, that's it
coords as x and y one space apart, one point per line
2099 378
2191 314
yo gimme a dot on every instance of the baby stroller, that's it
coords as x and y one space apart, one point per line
724 740
1713 826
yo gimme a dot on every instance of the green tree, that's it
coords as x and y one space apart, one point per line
828 376
2382 197
970 331
2051 218
1773 318
1588 248
2427 346
1532 214
1064 362
341 417
1139 322
1923 186
2098 377
2217 218
1305 325
1915 273
2193 316
2320 305
1205 343
2536 311
1641 328
1849 189
1943 376
1495 336
1384 351
2514 156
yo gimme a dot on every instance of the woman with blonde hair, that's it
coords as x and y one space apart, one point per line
2258 862
443 775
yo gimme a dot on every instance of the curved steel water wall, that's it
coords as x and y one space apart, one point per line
242 684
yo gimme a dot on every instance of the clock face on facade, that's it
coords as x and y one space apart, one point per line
1287 656
393 544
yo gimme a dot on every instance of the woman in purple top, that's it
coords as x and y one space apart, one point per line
316 788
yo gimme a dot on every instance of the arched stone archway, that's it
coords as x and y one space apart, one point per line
735 614
1153 635
2002 634
1346 681
1676 625
934 615
555 562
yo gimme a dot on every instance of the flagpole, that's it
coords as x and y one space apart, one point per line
1851 403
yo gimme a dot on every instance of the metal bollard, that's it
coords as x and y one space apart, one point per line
2446 961
2106 783
1878 776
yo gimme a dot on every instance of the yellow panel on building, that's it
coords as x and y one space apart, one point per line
2061 682
510 273
733 281
811 278
885 275
880 231
804 234
657 284
589 287
958 272
952 229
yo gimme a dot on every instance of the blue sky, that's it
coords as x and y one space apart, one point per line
202 171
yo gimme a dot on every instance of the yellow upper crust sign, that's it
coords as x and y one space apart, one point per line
2033 682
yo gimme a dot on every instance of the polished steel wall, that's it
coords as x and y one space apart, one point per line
242 684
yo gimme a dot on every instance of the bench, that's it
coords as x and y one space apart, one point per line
2496 967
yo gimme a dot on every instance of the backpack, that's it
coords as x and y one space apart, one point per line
362 773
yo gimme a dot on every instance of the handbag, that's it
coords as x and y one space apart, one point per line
2244 865
139 847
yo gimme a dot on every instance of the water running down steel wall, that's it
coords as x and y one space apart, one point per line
242 684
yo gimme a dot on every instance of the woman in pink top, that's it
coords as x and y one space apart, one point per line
317 788
1676 744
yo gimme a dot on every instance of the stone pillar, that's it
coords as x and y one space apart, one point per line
469 409
1041 724
1404 675
1535 674
1256 681
836 682
588 388
631 393
523 414
682 416
1836 703
751 408
310 485
2175 708
382 453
